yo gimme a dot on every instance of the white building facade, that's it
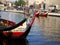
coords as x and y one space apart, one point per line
49 2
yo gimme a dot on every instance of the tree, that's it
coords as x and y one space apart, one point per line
20 2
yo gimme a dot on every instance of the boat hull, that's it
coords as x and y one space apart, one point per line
43 15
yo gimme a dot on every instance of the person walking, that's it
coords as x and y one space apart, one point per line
31 11
55 10
42 6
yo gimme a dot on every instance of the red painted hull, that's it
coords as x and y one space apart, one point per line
10 23
43 15
14 34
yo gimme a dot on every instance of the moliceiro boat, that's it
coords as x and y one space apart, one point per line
43 15
12 30
13 27
16 32
9 28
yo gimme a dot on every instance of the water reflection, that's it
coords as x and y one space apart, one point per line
45 31
20 41
51 28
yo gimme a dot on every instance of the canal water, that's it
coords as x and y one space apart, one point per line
45 31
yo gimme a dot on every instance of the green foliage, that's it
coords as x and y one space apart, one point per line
20 2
